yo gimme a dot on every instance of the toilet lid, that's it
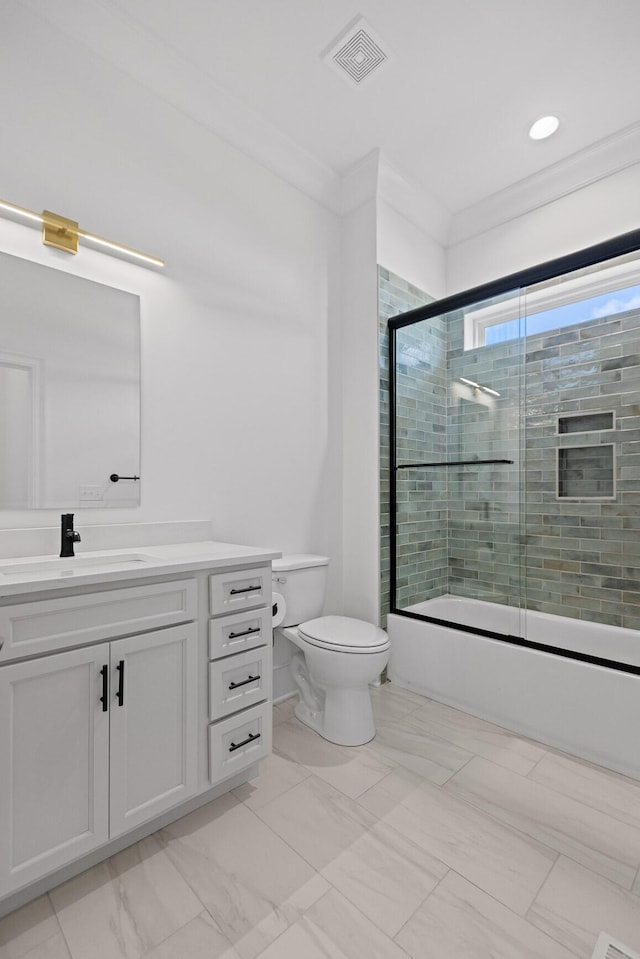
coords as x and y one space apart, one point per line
343 632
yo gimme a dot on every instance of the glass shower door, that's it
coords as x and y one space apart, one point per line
459 469
583 455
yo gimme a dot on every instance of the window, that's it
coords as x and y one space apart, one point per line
586 296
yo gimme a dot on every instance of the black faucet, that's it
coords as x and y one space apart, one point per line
69 535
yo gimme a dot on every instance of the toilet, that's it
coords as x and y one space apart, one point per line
337 656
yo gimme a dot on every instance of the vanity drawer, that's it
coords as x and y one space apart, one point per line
239 589
239 741
234 634
239 681
30 629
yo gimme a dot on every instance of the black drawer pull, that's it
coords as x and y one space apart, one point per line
104 699
245 589
120 693
244 682
245 632
244 742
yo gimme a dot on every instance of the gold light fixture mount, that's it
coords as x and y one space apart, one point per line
63 234
60 232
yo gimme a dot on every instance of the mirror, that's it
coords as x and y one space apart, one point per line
69 390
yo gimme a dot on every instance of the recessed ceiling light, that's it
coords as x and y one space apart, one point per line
543 128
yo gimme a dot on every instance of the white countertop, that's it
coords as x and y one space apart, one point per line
32 574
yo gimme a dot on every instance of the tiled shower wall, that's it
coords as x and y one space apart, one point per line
583 558
421 426
580 557
484 501
500 532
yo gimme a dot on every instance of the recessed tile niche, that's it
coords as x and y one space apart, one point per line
585 422
586 472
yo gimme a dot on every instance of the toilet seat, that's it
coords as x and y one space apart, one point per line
344 634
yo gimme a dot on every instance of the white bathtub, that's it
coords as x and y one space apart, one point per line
587 709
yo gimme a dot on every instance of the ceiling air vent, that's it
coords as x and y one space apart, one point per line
608 948
357 53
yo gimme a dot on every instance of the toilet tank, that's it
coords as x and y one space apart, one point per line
302 581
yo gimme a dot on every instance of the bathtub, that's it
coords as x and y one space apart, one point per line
589 707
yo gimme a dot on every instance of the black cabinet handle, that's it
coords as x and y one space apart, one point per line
244 682
120 693
104 699
245 632
250 739
245 589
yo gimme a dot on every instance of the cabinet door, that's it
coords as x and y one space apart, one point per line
54 763
154 711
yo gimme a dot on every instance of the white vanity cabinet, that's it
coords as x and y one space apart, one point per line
153 714
123 706
54 763
93 742
240 671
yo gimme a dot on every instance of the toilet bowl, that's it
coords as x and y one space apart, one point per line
336 657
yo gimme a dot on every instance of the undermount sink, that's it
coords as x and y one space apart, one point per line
71 565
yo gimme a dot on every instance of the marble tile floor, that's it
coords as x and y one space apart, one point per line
445 836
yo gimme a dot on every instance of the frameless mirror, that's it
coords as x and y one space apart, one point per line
69 390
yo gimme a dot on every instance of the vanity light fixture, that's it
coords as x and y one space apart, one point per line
63 234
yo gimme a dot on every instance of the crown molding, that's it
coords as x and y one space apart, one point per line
374 178
414 202
597 162
110 32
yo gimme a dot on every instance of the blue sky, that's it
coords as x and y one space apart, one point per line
607 304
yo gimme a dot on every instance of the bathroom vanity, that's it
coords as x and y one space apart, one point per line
135 685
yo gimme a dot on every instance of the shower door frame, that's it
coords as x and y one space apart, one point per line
590 256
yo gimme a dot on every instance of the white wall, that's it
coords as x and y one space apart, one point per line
410 252
361 485
375 232
238 402
595 213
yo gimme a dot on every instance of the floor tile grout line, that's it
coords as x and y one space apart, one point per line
585 802
208 911
428 896
218 930
553 752
114 880
513 829
504 730
499 902
466 748
544 930
357 909
295 851
543 883
534 767
62 932
163 846
318 872
375 786
313 772
542 842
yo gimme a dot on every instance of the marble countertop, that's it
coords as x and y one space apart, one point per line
32 574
